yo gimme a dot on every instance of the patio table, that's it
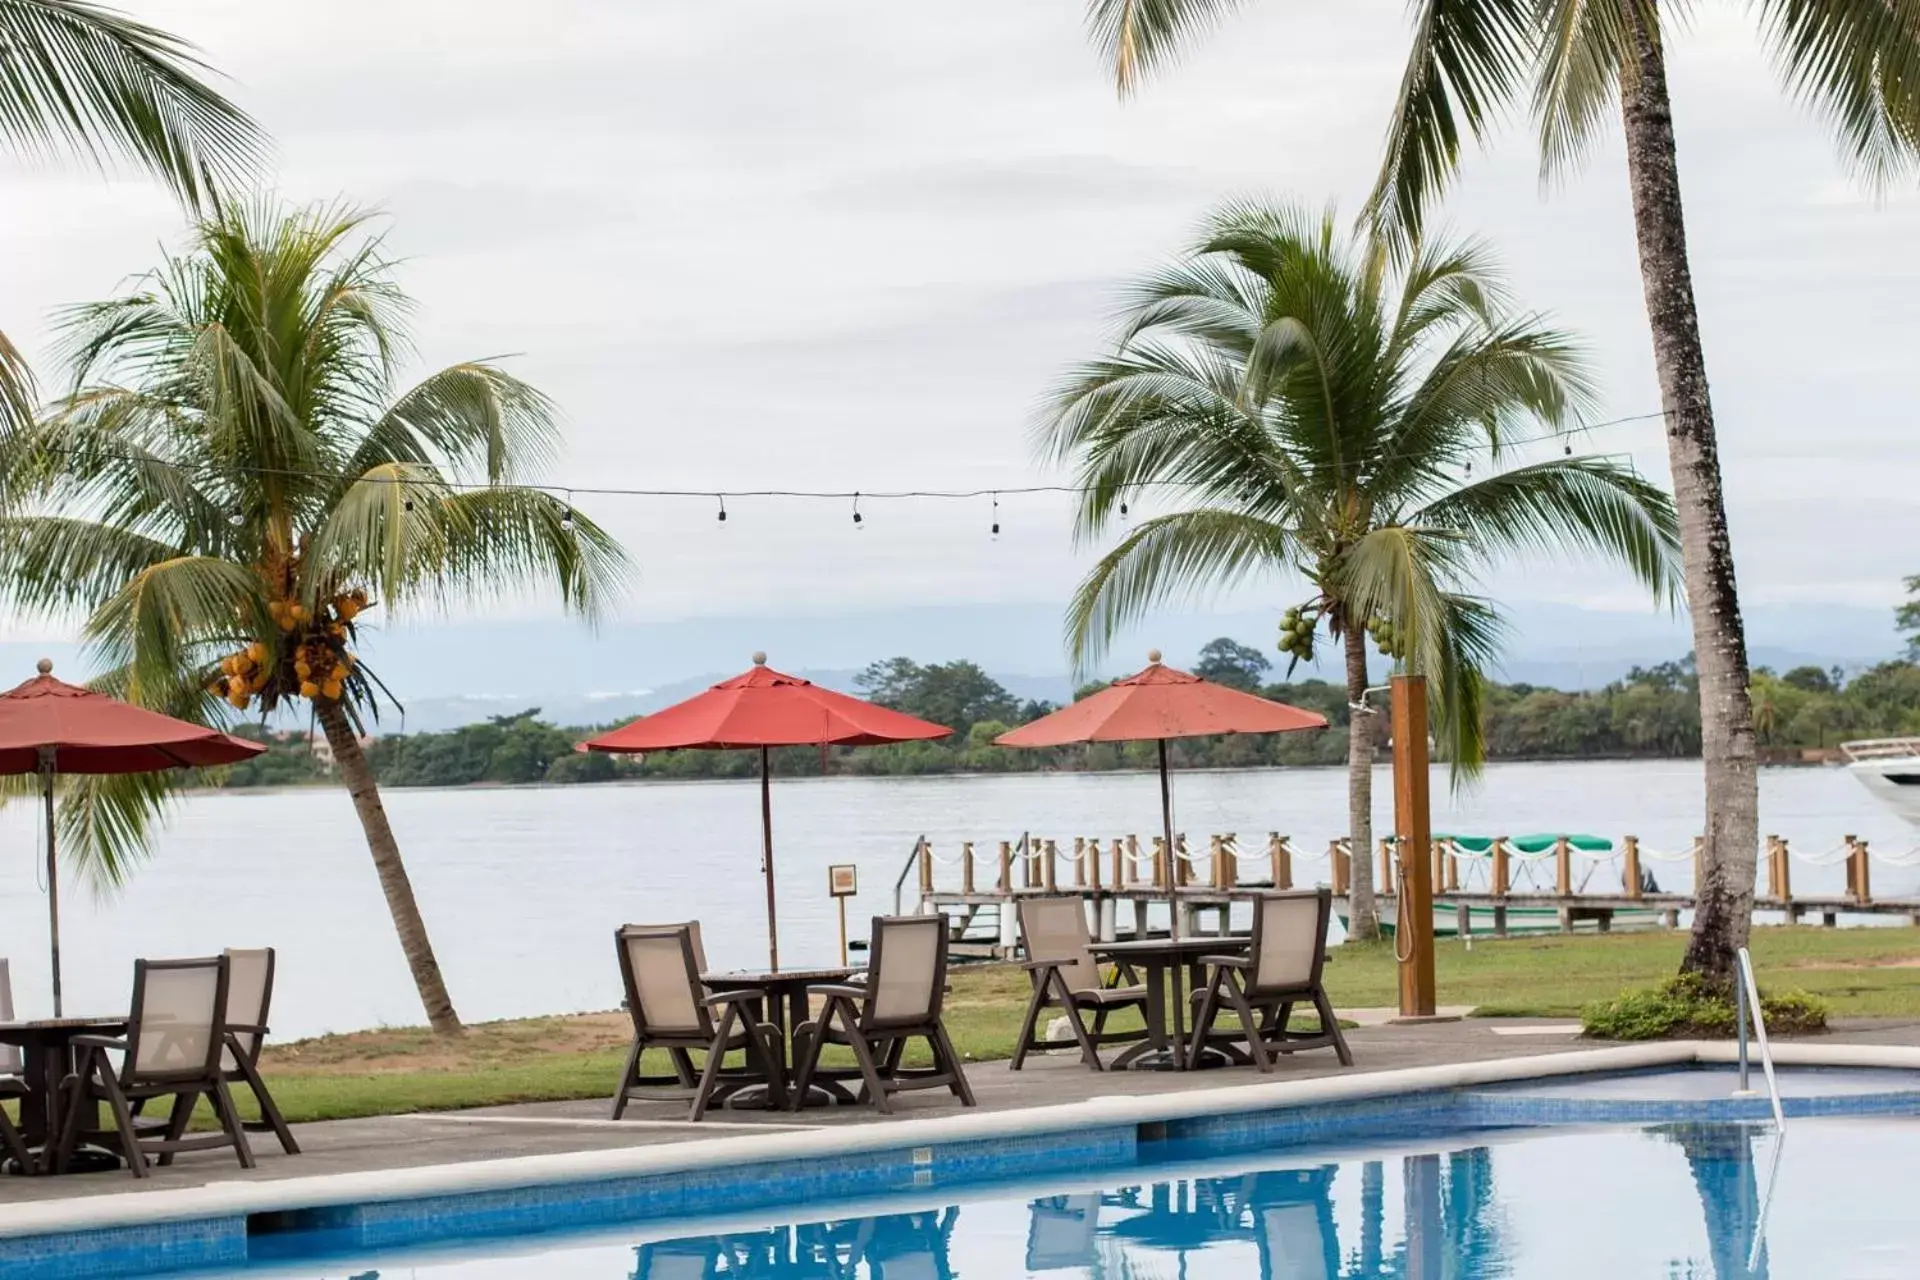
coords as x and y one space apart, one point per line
47 1044
1158 960
783 1009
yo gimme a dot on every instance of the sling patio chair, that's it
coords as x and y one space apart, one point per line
1280 969
900 1001
660 967
249 996
11 1085
176 1036
1065 975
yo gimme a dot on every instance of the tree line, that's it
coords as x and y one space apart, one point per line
1650 713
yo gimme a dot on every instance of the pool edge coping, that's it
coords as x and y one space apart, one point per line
237 1198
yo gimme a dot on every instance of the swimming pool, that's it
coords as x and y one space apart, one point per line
1653 1171
1682 1200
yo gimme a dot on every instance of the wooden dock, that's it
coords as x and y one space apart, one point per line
1125 883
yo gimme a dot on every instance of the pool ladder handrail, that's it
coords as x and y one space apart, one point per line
1747 992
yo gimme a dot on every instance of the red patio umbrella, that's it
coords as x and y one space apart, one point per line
1154 705
766 709
48 726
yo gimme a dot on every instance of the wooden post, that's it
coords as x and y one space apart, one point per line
1006 867
1502 873
926 869
1385 883
1563 867
1227 863
1282 861
1161 871
966 866
1133 859
840 900
1177 861
1630 867
1413 832
1337 859
1079 862
1859 878
1438 857
1783 874
1049 866
1453 868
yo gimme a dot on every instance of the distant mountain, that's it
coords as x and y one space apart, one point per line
457 673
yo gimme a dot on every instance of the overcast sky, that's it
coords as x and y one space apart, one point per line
849 243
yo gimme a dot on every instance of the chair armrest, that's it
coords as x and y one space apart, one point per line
1031 965
738 995
98 1042
1226 962
840 989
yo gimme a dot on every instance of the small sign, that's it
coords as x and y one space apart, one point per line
843 881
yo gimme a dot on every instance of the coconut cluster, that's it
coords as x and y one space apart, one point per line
310 658
1297 628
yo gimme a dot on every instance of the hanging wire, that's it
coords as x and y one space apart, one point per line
996 515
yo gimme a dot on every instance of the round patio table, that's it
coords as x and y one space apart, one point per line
47 1045
783 1008
1159 959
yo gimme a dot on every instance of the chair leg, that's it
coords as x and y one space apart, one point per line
876 1088
1071 1007
812 1037
269 1110
12 1143
716 1055
626 1079
1203 1018
682 1067
1330 1024
1030 1025
122 1118
950 1062
230 1121
1237 997
176 1123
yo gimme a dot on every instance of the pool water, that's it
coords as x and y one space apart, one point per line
1832 1200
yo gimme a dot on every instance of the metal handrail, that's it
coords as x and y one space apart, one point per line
1748 992
899 886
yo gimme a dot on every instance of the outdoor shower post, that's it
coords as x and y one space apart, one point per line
1413 829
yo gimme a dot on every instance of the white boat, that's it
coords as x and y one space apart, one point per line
1890 768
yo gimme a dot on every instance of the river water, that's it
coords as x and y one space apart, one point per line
523 887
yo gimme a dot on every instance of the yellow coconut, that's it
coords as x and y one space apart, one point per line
339 673
257 652
332 689
308 688
303 669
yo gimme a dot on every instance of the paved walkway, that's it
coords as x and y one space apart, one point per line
391 1142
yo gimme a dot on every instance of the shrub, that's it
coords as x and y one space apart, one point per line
1691 1007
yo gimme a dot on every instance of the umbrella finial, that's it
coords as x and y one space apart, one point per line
759 657
44 666
1153 655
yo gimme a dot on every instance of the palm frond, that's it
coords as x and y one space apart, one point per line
17 400
1857 62
161 625
1584 505
1468 60
1136 36
473 416
80 80
50 565
1167 558
1584 49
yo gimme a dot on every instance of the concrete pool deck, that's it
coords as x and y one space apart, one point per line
341 1149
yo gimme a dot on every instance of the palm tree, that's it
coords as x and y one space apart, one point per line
1856 62
1308 410
232 483
88 83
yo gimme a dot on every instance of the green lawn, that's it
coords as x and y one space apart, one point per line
1859 971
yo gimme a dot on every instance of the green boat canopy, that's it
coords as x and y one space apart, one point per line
1536 843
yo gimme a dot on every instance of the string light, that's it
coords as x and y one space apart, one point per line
996 515
856 507
236 517
722 517
566 517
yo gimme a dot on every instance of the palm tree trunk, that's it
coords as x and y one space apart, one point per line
1723 909
354 771
1363 913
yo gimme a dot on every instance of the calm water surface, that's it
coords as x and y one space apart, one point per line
522 888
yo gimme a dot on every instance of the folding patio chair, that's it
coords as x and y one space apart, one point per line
176 1036
1281 969
1066 976
11 1085
900 1001
249 996
660 967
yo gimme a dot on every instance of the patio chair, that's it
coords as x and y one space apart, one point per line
900 1001
11 1085
1063 1233
1280 969
1066 976
691 1259
249 996
176 1037
660 967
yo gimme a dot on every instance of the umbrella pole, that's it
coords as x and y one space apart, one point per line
1173 872
766 865
53 883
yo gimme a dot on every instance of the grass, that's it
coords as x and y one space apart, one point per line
1856 971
